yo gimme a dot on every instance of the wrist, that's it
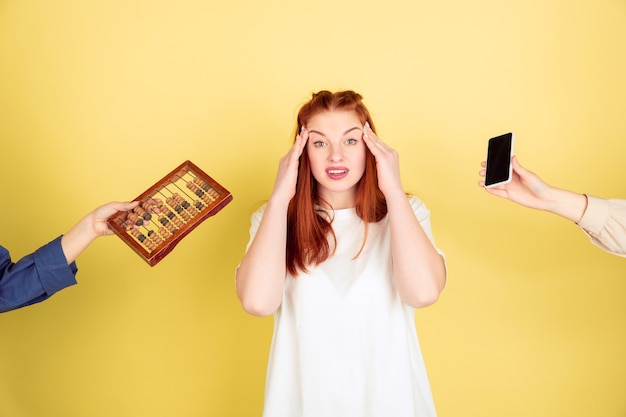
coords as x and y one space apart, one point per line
277 203
76 240
567 204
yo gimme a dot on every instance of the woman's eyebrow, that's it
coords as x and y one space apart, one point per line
344 133
351 129
315 131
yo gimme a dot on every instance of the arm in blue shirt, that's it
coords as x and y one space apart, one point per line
51 268
35 277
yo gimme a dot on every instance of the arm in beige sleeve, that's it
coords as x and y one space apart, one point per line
604 221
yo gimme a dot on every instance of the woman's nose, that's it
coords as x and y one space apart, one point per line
335 154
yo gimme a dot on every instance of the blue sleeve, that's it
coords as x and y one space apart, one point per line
35 277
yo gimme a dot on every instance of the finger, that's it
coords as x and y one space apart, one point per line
130 205
519 170
295 151
371 140
378 142
516 165
304 136
301 141
483 164
106 211
124 206
498 192
370 134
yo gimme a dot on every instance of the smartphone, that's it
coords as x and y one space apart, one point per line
499 152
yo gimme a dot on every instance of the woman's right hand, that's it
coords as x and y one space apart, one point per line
287 176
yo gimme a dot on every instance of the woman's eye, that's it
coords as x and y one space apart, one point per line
351 141
319 144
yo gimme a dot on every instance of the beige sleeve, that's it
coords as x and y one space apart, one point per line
604 221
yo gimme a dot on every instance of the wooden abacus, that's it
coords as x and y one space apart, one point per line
168 211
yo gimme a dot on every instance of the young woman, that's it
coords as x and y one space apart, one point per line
341 256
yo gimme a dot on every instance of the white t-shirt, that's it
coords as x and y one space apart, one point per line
344 343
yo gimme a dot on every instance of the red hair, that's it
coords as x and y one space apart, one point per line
308 229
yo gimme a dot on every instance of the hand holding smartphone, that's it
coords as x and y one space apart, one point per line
498 170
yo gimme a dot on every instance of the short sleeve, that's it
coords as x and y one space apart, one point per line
255 221
423 216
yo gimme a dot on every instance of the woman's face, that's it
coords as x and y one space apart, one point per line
337 155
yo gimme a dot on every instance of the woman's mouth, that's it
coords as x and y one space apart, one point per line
337 173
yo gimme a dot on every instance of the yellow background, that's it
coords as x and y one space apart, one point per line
100 99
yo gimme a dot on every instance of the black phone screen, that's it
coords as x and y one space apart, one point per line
498 166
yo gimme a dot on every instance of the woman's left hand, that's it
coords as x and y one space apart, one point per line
387 162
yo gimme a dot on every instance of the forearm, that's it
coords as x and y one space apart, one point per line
261 275
93 225
78 238
565 203
419 270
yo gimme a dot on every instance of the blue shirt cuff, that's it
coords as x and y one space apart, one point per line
54 272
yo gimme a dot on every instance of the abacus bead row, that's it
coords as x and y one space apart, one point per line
204 196
150 240
167 224
201 184
185 204
178 208
143 239
212 192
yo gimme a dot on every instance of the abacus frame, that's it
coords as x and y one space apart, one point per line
117 221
